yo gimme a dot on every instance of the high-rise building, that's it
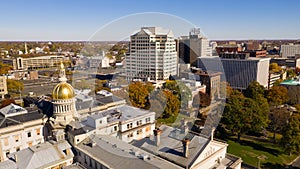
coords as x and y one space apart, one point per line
194 46
239 72
152 54
289 50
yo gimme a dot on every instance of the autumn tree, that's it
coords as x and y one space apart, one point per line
278 118
14 85
172 105
139 94
273 67
180 90
291 136
4 68
277 95
7 101
201 100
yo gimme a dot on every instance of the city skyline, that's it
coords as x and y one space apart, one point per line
68 20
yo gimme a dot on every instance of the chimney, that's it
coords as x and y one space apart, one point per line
212 134
185 143
157 133
184 127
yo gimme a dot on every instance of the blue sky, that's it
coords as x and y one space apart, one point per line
80 19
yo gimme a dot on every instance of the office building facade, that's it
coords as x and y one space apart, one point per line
152 56
239 73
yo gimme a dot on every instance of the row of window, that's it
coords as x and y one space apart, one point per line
17 137
138 123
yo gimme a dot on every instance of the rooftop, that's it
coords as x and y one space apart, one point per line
115 153
291 82
20 118
41 155
120 113
171 146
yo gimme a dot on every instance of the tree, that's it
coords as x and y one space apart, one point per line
291 73
201 100
277 95
172 105
291 136
7 101
14 85
254 90
139 94
242 115
278 118
274 68
4 68
180 90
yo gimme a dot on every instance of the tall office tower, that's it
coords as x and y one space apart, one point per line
152 54
196 45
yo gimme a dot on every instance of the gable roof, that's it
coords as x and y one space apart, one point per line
41 155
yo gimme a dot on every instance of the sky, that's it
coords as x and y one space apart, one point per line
117 19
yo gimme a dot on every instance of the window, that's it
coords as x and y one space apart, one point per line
5 140
29 134
140 131
17 138
138 123
129 126
130 135
147 119
38 132
100 121
115 128
7 152
18 149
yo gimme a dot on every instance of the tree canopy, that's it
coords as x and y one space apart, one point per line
277 95
14 85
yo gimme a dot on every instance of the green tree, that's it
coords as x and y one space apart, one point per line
291 73
291 136
14 86
277 95
242 115
254 90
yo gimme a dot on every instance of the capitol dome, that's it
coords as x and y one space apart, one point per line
63 91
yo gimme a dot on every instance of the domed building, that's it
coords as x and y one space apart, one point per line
63 100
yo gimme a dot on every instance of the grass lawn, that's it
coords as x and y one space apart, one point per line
272 156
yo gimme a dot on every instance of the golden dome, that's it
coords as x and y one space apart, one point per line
63 91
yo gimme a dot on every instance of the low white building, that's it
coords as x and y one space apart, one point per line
19 129
124 122
48 155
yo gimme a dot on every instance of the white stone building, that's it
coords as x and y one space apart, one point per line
152 55
124 122
3 86
48 155
19 129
